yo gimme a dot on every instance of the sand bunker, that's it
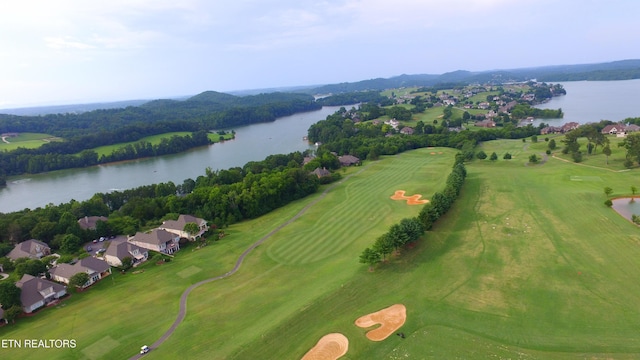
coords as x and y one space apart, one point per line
329 347
411 200
390 319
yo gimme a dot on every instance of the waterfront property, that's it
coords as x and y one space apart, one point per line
119 248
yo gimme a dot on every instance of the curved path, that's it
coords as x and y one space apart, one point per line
183 298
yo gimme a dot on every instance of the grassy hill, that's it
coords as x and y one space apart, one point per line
528 264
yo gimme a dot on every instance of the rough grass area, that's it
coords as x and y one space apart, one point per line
154 140
528 264
27 141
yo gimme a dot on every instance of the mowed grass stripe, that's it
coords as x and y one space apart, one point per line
363 206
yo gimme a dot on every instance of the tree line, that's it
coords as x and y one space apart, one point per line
96 128
409 230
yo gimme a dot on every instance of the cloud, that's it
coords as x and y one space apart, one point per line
66 43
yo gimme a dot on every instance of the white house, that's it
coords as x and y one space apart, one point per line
177 226
157 240
119 248
95 268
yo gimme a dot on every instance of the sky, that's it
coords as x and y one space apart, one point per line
79 51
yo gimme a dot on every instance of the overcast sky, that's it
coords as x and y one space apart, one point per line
74 51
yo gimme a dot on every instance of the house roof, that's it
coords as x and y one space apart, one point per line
321 172
181 222
90 222
154 237
407 130
348 160
32 289
89 265
120 248
30 248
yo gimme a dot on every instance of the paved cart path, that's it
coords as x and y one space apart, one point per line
183 298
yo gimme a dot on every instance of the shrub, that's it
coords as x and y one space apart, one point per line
548 152
481 155
507 156
608 203
533 159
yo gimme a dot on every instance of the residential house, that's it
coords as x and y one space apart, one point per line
631 128
157 240
90 222
549 130
321 172
613 129
119 248
94 267
407 130
36 292
32 249
569 126
177 226
348 160
486 123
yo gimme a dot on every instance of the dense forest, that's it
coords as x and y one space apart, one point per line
85 131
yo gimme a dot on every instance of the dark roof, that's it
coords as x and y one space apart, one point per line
30 248
181 222
33 287
89 265
90 222
321 172
155 237
348 160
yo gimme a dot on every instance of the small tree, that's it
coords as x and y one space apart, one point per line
608 203
481 155
493 156
606 150
507 156
127 263
634 190
370 257
534 139
552 144
608 191
533 159
191 228
12 313
78 280
9 294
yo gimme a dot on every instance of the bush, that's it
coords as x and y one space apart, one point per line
577 156
493 156
507 156
548 152
533 159
608 203
481 155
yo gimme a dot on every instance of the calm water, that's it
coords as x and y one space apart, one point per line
592 101
627 206
252 143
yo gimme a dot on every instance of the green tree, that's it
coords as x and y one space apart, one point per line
127 263
634 190
632 144
370 257
534 139
32 267
9 294
533 159
383 245
552 144
481 155
507 156
70 243
191 228
607 152
493 156
12 313
608 191
608 203
79 280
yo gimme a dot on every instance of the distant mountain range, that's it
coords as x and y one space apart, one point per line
616 70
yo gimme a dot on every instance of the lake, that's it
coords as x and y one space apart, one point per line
252 143
592 101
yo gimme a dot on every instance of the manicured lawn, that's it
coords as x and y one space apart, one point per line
528 264
28 141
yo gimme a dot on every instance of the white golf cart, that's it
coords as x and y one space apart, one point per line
145 349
